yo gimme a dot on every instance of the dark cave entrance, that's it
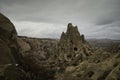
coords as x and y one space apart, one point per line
75 49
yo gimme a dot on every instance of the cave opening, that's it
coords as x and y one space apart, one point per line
75 49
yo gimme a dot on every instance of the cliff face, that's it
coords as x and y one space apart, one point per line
9 51
8 44
72 45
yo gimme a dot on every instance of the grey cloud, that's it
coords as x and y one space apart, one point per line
94 11
104 20
12 2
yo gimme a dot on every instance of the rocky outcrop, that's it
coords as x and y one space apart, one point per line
72 46
8 45
9 51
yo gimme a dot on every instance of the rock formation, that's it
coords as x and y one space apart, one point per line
9 51
8 43
72 45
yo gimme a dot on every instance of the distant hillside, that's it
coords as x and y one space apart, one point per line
108 45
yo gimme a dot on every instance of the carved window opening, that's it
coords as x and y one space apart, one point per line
75 49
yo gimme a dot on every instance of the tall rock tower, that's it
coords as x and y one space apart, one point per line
72 45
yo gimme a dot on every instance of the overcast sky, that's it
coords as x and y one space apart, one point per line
49 18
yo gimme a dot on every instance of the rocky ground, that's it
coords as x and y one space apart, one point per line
69 58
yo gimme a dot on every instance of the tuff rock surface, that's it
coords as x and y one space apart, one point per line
73 46
8 47
9 51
